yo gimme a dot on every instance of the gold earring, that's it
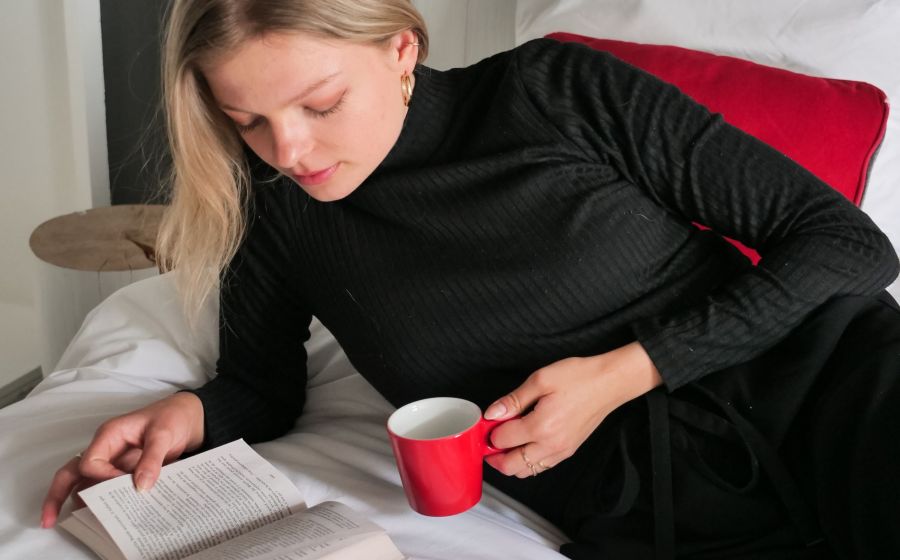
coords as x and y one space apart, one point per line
406 88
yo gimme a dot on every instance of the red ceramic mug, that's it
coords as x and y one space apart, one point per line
440 445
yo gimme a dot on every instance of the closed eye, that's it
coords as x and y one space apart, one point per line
245 128
331 110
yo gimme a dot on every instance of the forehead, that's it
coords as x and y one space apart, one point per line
279 64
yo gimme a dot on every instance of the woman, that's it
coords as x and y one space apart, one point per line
519 233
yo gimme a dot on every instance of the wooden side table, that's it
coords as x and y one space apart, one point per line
83 258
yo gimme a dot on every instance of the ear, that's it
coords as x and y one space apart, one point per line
403 52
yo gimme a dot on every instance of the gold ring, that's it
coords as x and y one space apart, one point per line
543 466
529 464
525 458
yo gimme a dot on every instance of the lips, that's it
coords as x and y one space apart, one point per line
316 177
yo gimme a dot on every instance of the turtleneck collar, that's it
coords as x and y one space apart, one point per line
427 120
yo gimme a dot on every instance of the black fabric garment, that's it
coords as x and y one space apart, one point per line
537 205
792 455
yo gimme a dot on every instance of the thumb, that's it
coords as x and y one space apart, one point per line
157 448
514 403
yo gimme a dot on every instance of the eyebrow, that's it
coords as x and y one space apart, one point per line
303 94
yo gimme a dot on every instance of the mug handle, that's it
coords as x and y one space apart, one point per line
487 426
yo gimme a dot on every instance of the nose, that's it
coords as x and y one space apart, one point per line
291 141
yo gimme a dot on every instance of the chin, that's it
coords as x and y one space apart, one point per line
338 186
327 192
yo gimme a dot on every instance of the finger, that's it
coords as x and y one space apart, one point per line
156 449
534 467
516 462
512 463
63 482
541 465
538 426
503 462
520 399
529 465
548 463
85 483
128 461
511 434
108 445
99 468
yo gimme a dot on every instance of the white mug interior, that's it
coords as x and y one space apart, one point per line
434 418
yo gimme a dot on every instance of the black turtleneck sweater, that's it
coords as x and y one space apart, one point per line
537 205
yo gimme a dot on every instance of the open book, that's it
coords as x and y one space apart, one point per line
227 503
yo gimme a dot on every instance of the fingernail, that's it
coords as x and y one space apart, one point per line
495 411
142 482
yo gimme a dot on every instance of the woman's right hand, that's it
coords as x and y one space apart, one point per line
139 442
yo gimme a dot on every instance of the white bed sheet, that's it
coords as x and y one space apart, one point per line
135 348
847 39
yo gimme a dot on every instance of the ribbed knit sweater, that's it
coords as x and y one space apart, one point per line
537 205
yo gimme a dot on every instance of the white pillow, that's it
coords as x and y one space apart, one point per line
848 39
138 339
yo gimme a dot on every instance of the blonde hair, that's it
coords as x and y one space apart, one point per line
209 178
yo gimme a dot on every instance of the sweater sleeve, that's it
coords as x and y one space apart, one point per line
259 389
814 244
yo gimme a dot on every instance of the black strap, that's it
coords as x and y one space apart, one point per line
761 450
692 415
631 481
661 463
733 426
729 424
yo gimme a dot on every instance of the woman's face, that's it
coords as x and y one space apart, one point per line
324 112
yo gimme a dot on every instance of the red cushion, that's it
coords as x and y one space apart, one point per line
831 127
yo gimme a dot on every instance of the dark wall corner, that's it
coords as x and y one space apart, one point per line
131 33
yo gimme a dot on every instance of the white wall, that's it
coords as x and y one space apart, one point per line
52 147
462 32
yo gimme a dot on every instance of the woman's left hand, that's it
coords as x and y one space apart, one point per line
570 399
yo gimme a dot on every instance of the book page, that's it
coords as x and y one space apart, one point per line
328 531
197 503
83 525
